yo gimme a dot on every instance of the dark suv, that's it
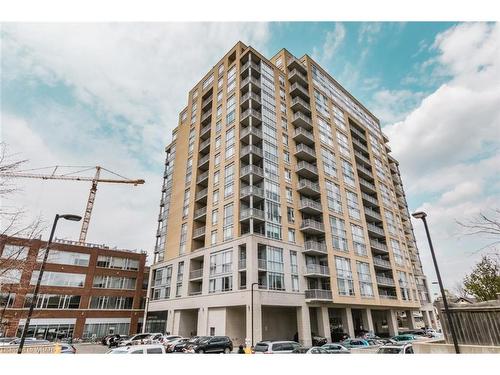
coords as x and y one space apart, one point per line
213 344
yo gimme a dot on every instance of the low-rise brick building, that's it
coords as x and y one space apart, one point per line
87 290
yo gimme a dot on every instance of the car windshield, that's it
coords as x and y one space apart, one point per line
261 347
390 350
118 352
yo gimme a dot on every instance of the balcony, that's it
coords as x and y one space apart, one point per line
198 233
315 248
203 162
359 156
301 120
387 295
385 281
370 199
308 187
402 202
375 231
305 152
262 264
245 134
250 65
253 114
250 97
253 150
296 76
202 195
372 215
293 63
364 172
307 170
205 131
202 178
206 117
298 104
358 133
254 81
309 206
251 191
318 295
380 246
252 213
253 171
399 191
206 102
366 186
204 146
382 263
313 227
360 145
297 89
196 274
200 213
316 270
302 135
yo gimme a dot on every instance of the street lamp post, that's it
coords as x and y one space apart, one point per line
40 274
423 215
252 307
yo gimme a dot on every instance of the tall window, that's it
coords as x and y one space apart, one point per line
365 279
339 238
215 197
185 205
213 237
289 195
358 238
343 144
391 224
230 109
189 170
329 165
275 268
333 197
348 173
180 276
215 216
353 205
291 235
162 279
398 254
404 286
191 140
228 180
231 79
294 270
230 143
14 252
325 132
228 222
221 279
344 276
338 115
216 178
182 244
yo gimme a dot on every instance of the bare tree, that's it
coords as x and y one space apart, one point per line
486 225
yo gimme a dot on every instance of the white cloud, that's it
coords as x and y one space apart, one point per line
394 105
368 32
333 40
449 146
130 81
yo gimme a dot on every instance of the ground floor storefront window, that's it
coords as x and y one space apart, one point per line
102 329
51 332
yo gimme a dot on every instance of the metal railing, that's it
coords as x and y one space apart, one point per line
252 190
369 198
204 144
299 100
248 213
316 269
206 115
304 148
309 203
200 212
201 177
377 244
250 95
372 213
385 281
305 183
304 132
381 262
308 166
251 130
310 223
363 182
247 169
300 116
318 294
251 149
205 129
201 194
196 274
315 246
203 160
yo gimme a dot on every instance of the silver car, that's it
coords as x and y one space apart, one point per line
279 347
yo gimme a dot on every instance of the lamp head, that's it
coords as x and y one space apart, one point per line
419 215
71 217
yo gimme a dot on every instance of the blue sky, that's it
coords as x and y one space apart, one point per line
88 94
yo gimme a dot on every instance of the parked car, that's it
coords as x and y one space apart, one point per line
318 340
29 341
336 349
213 344
140 338
338 336
355 343
280 347
168 338
170 345
6 340
404 338
401 348
312 350
66 348
374 342
181 347
139 349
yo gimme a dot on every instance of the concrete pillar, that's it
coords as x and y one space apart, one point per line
347 322
304 325
434 320
257 322
201 328
427 319
366 315
324 323
410 319
170 322
392 322
177 322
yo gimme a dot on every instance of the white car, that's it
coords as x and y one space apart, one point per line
139 349
403 348
280 347
140 338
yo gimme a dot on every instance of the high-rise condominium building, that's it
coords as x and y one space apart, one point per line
282 211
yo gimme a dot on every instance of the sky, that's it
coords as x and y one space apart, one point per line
110 94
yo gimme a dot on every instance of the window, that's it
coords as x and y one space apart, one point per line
230 110
348 173
286 157
231 79
325 132
183 239
220 83
191 140
217 160
290 215
291 235
275 268
215 216
230 143
338 115
189 170
353 205
221 279
344 276
285 139
339 239
113 282
228 180
111 303
215 197
365 279
180 277
273 231
208 81
221 69
11 276
228 222
217 143
65 257
216 178
333 197
398 254
358 238
288 175
391 224
117 263
213 237
218 127
329 164
14 252
343 144
185 206
162 279
289 195
404 286
60 279
7 299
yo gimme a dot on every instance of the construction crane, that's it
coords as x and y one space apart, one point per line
74 176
